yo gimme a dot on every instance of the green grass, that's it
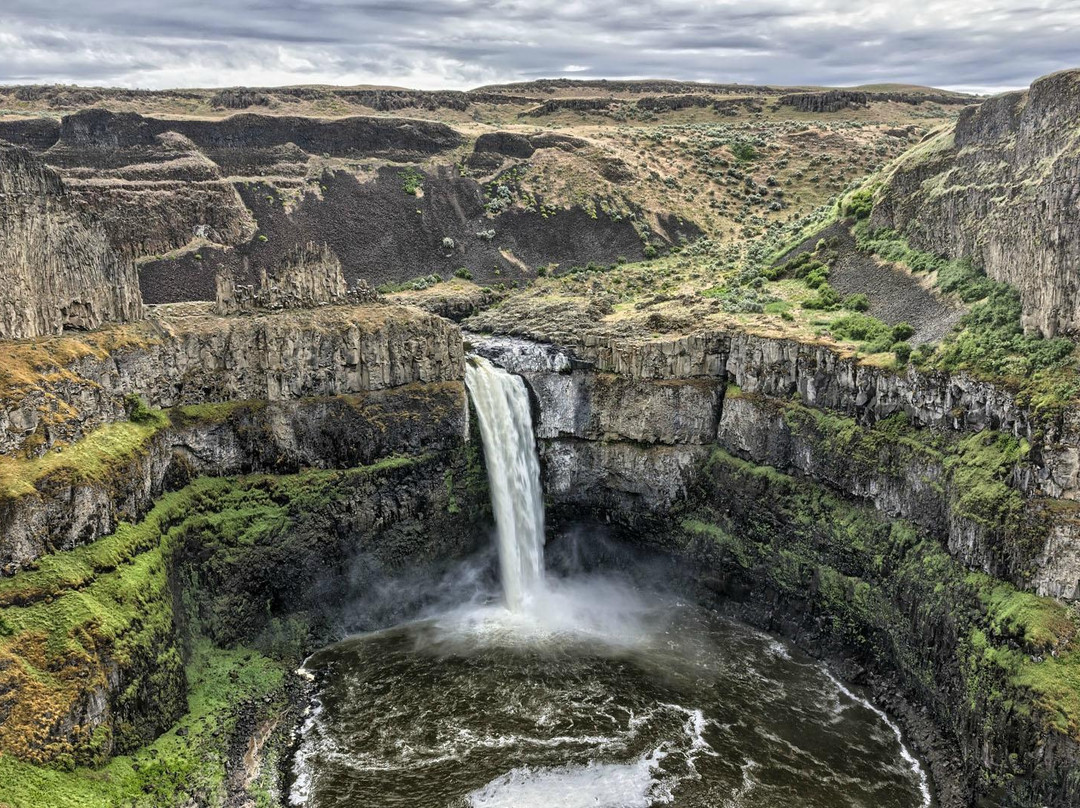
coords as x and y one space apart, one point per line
213 412
1042 624
104 451
979 468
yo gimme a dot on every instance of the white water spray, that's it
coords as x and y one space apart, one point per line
502 408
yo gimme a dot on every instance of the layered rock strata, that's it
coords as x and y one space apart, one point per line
59 271
1002 188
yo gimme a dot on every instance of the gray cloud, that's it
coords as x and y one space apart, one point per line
967 44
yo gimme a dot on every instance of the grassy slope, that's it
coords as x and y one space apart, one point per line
112 602
186 762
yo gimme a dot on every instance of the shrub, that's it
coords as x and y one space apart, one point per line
448 243
743 151
902 331
463 272
902 351
650 251
827 298
411 181
817 276
857 302
872 334
859 204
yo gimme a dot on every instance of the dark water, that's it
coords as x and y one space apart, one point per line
602 698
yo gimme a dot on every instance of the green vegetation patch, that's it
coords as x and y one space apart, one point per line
104 451
106 609
412 285
892 593
186 764
412 181
990 338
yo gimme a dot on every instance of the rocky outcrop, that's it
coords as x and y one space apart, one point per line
59 271
310 276
100 137
836 100
610 440
232 561
35 133
1003 189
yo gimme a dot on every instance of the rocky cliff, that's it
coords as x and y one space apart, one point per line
63 389
59 269
308 277
669 394
1002 188
127 536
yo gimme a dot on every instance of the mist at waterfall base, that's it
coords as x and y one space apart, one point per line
586 681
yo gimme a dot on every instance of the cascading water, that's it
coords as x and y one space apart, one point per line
502 408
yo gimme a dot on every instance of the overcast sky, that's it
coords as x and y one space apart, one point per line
981 45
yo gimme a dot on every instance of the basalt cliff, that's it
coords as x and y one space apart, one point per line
1001 187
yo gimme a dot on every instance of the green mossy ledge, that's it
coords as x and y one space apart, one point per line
998 669
122 662
117 471
967 488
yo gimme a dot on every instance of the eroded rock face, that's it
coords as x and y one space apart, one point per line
197 359
1003 188
611 440
281 437
309 276
58 270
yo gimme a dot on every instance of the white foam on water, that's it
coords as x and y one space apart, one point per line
303 771
911 761
742 791
637 784
594 785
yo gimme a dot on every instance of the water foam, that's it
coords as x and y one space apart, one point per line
303 770
640 783
911 761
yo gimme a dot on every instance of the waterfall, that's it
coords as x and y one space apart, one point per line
502 408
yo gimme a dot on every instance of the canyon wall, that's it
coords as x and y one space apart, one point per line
1002 188
291 461
71 385
59 270
604 400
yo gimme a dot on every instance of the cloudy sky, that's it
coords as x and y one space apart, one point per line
982 45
